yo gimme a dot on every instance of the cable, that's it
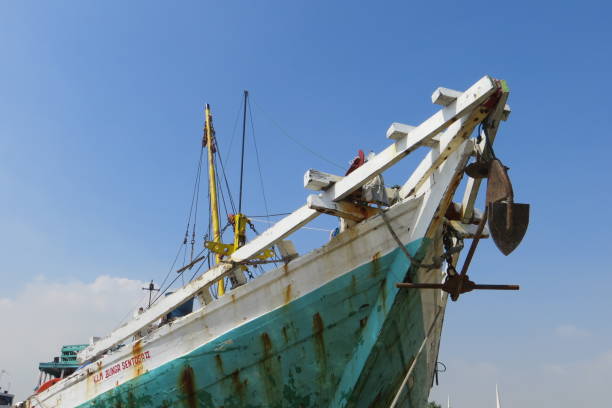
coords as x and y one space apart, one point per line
261 181
296 141
308 228
142 298
171 267
162 292
263 190
269 215
234 131
226 182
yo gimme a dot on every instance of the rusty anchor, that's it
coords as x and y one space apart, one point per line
456 284
508 220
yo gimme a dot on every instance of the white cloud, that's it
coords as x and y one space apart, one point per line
44 315
570 331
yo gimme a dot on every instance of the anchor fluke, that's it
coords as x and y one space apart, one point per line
508 220
507 233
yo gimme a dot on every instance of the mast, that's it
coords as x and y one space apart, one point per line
212 183
244 112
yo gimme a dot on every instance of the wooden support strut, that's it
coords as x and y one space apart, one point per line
499 113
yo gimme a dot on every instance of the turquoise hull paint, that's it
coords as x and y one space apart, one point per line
347 344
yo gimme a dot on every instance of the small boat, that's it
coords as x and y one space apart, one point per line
354 323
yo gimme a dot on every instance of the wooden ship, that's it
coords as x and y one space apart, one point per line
354 323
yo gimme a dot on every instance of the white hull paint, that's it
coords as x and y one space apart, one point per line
347 251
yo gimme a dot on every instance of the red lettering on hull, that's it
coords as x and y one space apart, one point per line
125 364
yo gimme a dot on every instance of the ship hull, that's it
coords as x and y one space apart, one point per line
329 329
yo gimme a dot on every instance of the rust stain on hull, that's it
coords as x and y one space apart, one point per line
285 334
288 294
239 386
187 386
137 353
383 293
268 373
319 346
219 364
376 269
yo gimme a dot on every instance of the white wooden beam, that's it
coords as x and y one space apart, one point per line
318 180
398 130
450 139
473 185
165 305
410 186
278 231
341 209
445 96
506 113
439 196
468 101
469 230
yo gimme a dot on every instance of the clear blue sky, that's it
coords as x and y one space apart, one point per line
100 120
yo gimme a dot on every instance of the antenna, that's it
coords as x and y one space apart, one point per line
151 289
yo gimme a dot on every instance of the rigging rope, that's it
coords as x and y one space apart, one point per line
297 141
178 253
231 199
308 228
263 190
269 215
194 203
229 151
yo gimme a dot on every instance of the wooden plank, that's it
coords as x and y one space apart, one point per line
465 130
439 196
473 185
469 230
398 130
506 113
319 180
341 209
430 158
445 96
165 305
469 100
278 231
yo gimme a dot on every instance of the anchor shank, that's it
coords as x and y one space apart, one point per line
472 250
419 285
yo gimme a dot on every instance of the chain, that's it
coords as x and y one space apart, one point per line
448 233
